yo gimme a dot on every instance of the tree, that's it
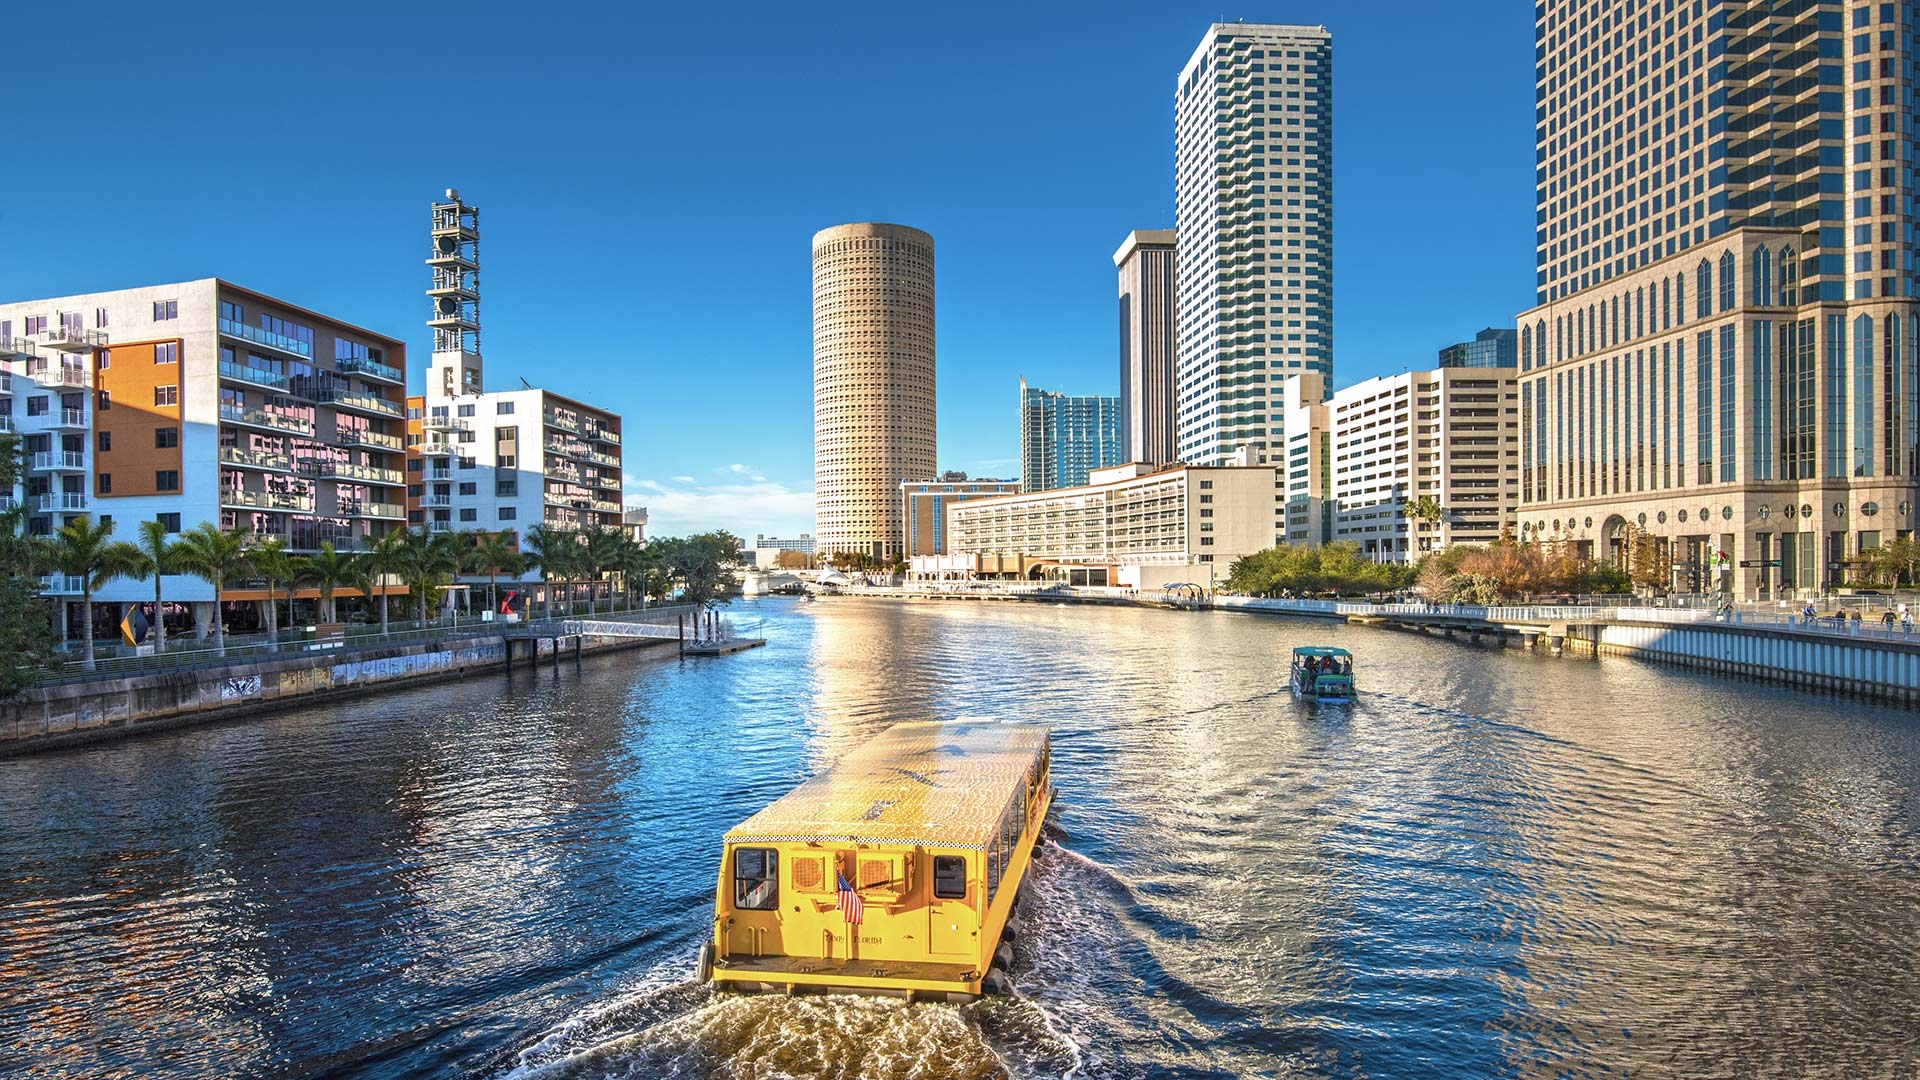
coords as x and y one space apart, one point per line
553 552
218 557
791 560
705 564
1423 510
155 557
271 560
426 562
601 554
327 570
26 627
84 549
640 569
381 561
493 554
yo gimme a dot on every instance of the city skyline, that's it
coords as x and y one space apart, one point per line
988 159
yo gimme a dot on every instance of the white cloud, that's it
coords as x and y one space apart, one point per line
744 504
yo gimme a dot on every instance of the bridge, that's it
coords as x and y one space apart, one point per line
523 638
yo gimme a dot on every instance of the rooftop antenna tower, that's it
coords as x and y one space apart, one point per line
455 295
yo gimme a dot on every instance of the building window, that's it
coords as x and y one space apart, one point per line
468 513
469 489
466 410
171 522
37 405
416 465
166 480
100 318
506 461
508 513
103 401
166 395
105 441
164 310
466 463
504 408
166 438
167 352
506 488
106 483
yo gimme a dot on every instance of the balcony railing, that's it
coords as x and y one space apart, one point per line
75 339
358 399
341 470
60 461
436 502
264 500
447 423
59 375
374 439
247 373
255 459
241 414
564 423
374 510
439 526
62 585
267 338
374 368
17 348
605 435
437 448
75 418
61 502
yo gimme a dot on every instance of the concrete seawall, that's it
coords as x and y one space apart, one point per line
112 708
1875 668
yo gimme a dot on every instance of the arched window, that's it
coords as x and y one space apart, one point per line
1761 273
1680 298
1639 312
1540 341
1526 348
1789 277
1726 281
1703 287
1666 304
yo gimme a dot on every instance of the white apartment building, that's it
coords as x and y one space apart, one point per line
1253 173
1452 435
1147 528
1306 475
202 401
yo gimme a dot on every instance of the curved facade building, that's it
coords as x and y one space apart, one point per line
873 405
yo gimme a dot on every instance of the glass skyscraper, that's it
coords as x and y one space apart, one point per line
1063 438
1253 139
1722 356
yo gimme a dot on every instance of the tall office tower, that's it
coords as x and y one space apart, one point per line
1063 438
1721 366
1253 174
873 418
1145 262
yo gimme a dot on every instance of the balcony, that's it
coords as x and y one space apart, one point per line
564 423
371 439
253 335
439 527
68 418
60 461
605 435
606 507
62 585
373 369
238 499
360 401
436 502
261 418
18 348
60 502
342 470
373 510
73 339
599 458
52 375
253 376
255 459
437 448
446 423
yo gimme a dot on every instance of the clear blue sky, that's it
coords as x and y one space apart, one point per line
649 178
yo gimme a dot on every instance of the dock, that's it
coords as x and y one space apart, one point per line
723 648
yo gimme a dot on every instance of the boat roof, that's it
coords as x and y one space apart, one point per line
1320 650
941 784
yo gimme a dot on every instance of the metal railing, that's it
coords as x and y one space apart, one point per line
375 439
62 502
359 399
266 337
245 373
257 459
364 366
244 414
59 461
264 500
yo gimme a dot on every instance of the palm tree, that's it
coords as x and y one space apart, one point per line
328 569
158 557
1423 510
427 561
218 557
601 557
272 561
551 551
84 549
384 560
493 554
638 564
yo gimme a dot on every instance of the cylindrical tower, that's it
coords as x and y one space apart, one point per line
872 383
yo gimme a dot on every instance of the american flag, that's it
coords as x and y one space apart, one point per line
850 905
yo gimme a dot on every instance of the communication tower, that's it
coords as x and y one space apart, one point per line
455 295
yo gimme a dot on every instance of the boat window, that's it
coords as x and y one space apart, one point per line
756 879
950 877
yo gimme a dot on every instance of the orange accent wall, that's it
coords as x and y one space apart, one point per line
129 378
416 429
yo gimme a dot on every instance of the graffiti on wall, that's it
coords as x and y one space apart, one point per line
393 667
305 681
240 688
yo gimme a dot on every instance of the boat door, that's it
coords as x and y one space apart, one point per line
952 931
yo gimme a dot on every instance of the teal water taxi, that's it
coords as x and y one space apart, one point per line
1321 673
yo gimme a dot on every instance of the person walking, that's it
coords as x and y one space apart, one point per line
1886 620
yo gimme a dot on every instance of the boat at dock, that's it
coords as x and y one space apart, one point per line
892 872
1321 673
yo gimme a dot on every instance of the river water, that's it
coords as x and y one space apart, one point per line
1494 864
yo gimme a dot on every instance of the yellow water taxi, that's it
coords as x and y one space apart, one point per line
892 872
